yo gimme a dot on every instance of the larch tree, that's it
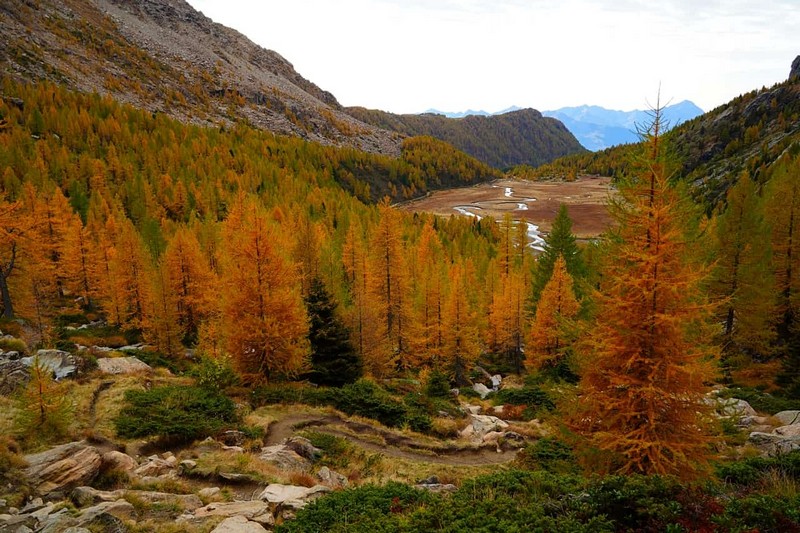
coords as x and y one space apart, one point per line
547 339
132 269
12 227
507 320
461 339
264 319
743 277
162 324
430 281
647 361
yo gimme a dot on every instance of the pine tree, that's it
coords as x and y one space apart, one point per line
647 360
547 339
560 242
334 361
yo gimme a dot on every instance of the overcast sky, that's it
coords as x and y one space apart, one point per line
407 56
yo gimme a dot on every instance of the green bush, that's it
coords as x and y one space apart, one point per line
13 345
549 454
636 502
70 319
438 385
367 399
175 413
215 373
156 359
762 401
747 472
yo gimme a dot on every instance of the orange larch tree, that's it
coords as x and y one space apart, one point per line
263 315
547 340
647 361
461 344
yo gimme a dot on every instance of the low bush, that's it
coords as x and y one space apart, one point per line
174 413
214 373
762 401
549 454
13 345
747 472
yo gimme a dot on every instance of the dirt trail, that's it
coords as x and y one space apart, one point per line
396 445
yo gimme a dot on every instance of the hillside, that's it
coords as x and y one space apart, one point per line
598 128
748 133
502 141
164 56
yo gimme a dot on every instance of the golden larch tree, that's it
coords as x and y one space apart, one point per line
546 339
461 339
263 315
647 360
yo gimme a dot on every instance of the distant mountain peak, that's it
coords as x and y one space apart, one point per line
470 112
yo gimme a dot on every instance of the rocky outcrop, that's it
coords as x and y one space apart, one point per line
118 461
63 467
62 364
258 511
292 496
788 418
238 524
284 458
331 478
480 425
84 496
122 365
794 74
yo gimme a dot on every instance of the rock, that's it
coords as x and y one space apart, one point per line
497 379
209 493
794 74
483 424
13 374
155 466
774 444
187 465
122 365
492 437
792 430
734 407
247 509
234 477
788 418
77 530
87 495
119 509
332 478
238 524
472 409
292 496
515 438
234 449
64 467
61 363
119 461
32 506
481 389
303 447
437 487
232 438
750 421
498 409
284 458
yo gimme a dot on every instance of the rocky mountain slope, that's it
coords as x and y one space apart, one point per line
164 56
502 141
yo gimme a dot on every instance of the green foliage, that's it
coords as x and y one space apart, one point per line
747 472
156 359
636 502
438 385
336 451
761 401
334 361
549 454
531 396
214 373
760 512
43 408
560 242
13 345
365 509
175 413
70 319
366 398
11 460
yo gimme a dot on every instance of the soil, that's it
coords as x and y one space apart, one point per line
585 198
399 446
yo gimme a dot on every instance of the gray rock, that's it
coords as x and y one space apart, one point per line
774 444
115 460
792 430
62 364
483 424
234 477
64 467
788 418
122 365
303 447
232 438
332 478
481 389
238 524
87 496
13 374
794 74
209 493
284 458
292 496
734 407
437 487
155 466
497 379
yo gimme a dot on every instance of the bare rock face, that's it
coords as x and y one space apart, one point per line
246 509
238 524
794 74
115 460
64 467
284 458
122 365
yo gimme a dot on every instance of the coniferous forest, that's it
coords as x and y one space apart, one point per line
208 318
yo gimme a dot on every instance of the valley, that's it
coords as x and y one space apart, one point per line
535 202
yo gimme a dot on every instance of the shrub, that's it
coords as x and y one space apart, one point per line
13 345
215 373
747 472
367 399
760 400
549 454
636 502
11 460
176 413
438 386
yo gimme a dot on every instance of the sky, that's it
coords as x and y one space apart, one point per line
407 56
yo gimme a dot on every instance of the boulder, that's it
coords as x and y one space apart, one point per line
64 467
88 495
209 493
61 363
788 418
472 409
232 438
331 478
794 73
238 524
734 407
483 424
13 374
122 365
303 447
119 509
119 461
497 379
155 467
792 430
481 389
284 458
774 444
291 496
248 509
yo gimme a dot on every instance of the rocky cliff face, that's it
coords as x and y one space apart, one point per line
794 74
165 56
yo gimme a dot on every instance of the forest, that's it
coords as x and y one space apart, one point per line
283 262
